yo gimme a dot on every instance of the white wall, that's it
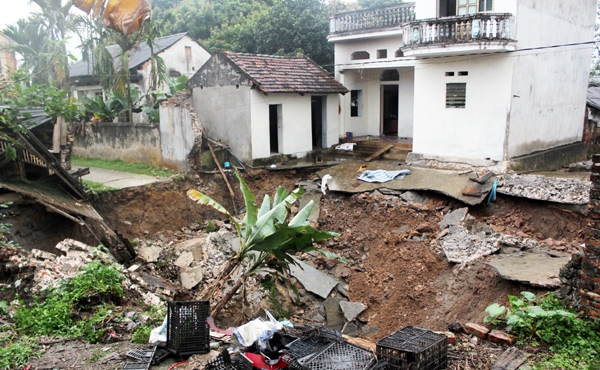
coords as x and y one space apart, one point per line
224 112
295 132
406 103
551 83
476 131
344 49
333 117
176 134
425 9
174 56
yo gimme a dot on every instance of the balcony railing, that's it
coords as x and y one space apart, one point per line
367 20
459 29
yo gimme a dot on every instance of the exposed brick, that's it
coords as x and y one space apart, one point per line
590 311
450 335
584 302
586 285
594 177
477 330
596 158
593 296
589 268
500 337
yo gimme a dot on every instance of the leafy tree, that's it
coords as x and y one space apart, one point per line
373 4
289 27
268 238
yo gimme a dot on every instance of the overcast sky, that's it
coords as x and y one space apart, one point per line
17 9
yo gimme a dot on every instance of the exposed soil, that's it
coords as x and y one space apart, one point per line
394 264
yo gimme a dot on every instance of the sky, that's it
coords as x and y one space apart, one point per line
16 10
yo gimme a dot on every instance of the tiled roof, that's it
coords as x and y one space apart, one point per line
139 55
277 74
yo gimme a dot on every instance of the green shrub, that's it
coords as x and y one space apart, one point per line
573 340
16 354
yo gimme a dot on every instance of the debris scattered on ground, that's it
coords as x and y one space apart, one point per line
551 189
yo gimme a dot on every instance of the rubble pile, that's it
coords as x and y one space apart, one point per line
551 189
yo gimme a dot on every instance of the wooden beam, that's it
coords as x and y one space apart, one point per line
379 152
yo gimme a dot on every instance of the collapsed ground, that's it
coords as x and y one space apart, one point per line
395 265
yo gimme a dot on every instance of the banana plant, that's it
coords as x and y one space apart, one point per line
268 237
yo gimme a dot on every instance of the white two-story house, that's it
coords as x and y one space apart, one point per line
468 79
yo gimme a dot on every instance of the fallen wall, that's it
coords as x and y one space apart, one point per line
589 288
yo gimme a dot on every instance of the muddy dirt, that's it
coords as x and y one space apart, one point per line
394 264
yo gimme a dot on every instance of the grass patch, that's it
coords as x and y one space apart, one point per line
76 308
95 187
117 165
18 353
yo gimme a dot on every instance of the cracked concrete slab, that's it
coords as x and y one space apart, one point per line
451 183
312 279
537 269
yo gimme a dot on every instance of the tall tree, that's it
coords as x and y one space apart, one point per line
289 27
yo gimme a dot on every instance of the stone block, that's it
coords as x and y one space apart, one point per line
333 313
477 330
351 310
149 254
184 260
500 337
190 277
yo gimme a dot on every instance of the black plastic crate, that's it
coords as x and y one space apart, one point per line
340 355
414 348
187 330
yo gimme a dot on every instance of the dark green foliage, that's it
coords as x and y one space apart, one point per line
56 312
573 340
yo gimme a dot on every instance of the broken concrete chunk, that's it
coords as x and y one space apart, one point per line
537 269
184 260
190 277
453 218
412 196
460 246
312 279
190 243
351 310
37 253
149 254
335 318
314 213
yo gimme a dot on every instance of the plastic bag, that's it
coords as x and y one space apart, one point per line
257 330
158 335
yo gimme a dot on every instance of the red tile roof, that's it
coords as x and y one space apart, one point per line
278 74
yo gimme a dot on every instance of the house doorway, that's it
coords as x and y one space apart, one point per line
317 118
274 127
447 8
390 110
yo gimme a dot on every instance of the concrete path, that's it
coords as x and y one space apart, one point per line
117 179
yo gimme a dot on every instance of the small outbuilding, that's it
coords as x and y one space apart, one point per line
265 105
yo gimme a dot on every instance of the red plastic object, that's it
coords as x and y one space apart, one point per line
258 361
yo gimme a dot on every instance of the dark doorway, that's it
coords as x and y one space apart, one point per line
447 8
316 103
274 123
390 109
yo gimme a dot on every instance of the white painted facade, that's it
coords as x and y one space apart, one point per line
8 60
523 94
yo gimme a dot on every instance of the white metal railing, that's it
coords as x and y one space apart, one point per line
372 19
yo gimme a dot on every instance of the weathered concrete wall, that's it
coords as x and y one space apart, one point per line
589 291
138 143
177 134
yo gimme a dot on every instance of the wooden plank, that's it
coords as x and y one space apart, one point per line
379 152
511 359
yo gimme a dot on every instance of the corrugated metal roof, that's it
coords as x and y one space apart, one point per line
139 54
593 96
278 74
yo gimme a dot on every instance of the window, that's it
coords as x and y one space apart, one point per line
381 53
399 53
485 5
456 94
463 73
355 100
449 74
464 7
188 52
359 55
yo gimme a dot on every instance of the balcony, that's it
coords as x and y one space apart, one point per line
373 20
470 34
